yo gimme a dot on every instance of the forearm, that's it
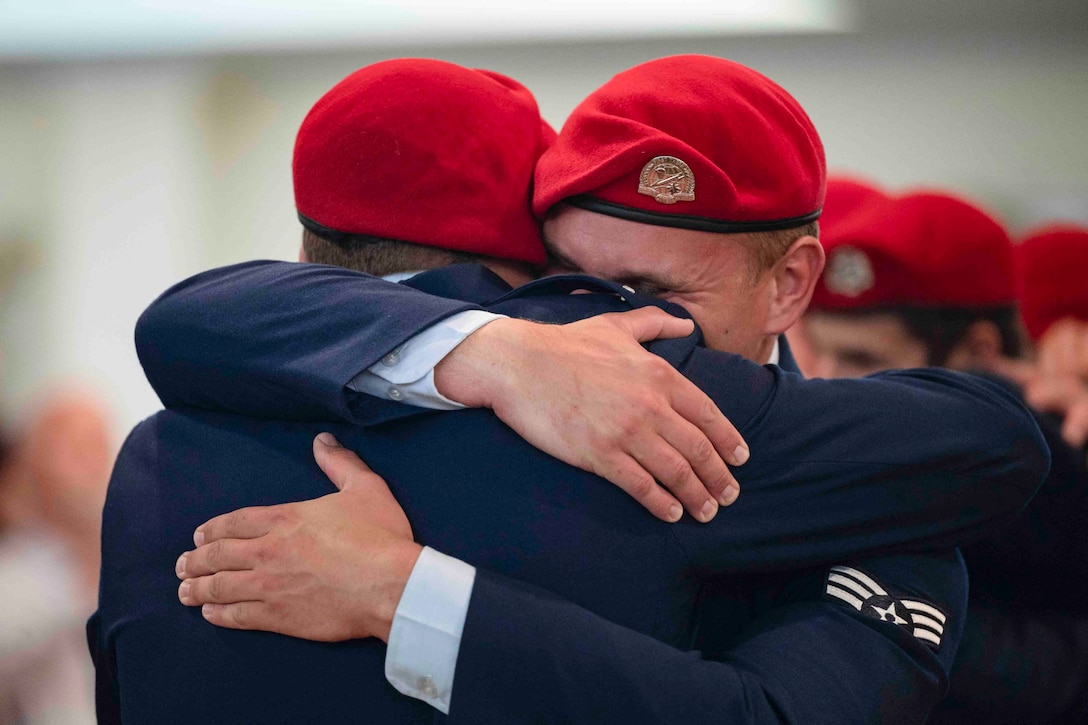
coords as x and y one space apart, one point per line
276 339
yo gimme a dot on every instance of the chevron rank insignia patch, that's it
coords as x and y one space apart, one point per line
864 594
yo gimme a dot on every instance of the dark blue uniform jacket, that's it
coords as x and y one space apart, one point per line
583 602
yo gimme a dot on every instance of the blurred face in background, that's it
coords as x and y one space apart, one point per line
852 346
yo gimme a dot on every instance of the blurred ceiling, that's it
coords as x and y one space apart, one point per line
1062 17
33 30
73 28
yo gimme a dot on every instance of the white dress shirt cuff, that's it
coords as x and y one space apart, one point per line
406 374
425 638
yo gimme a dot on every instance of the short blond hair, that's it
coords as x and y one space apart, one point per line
766 248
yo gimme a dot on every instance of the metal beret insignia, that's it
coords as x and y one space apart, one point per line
859 590
667 179
849 272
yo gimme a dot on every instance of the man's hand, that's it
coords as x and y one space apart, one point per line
589 394
329 569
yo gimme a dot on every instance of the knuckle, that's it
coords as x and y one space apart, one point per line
659 371
629 425
214 554
709 412
648 402
238 615
720 482
264 553
235 522
680 470
215 587
641 486
703 451
281 517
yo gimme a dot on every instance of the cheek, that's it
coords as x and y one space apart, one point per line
723 329
708 316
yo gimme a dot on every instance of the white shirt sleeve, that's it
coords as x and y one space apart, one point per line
406 375
425 638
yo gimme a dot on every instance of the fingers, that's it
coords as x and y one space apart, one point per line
674 472
220 555
225 587
365 488
711 474
342 466
243 615
247 523
640 485
697 407
652 323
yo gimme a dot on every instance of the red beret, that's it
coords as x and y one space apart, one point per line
920 249
688 141
846 196
426 152
1052 264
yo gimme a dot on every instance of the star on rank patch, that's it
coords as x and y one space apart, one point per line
667 179
864 594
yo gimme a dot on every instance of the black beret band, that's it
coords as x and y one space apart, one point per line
681 221
341 238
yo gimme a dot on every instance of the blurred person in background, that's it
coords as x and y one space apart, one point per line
1052 266
845 195
52 485
927 279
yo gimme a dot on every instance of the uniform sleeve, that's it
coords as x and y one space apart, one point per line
278 339
809 658
838 467
406 374
900 461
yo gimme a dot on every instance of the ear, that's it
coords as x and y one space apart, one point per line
793 280
980 347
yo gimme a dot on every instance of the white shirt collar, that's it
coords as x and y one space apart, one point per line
400 276
773 359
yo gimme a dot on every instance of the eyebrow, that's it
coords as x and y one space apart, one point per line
627 277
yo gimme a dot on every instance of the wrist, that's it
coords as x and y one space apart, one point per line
402 558
475 370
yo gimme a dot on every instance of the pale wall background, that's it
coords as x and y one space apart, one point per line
120 177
